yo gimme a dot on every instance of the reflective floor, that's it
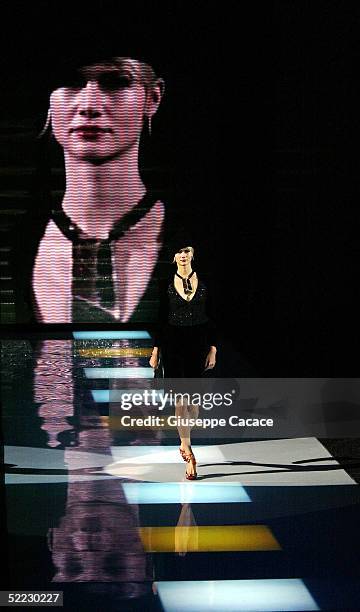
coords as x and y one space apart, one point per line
107 516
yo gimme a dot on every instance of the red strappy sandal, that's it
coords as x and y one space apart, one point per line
190 458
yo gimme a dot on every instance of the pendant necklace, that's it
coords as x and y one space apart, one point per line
188 290
92 257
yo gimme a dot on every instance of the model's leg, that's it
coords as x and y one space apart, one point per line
185 412
193 368
174 358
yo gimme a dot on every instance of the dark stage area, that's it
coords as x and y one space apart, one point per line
235 130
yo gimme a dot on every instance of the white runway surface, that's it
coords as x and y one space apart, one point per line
289 462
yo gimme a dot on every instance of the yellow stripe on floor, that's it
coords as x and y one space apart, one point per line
114 352
208 538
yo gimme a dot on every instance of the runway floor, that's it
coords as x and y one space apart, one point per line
107 516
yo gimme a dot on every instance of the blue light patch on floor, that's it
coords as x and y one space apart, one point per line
119 372
115 395
184 492
111 335
270 595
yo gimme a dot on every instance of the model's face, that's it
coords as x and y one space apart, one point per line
184 256
100 114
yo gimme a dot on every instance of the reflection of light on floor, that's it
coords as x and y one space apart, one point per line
184 492
236 595
133 471
115 395
31 457
164 454
37 479
209 538
53 461
111 335
119 372
114 352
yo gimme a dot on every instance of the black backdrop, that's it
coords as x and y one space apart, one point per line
256 144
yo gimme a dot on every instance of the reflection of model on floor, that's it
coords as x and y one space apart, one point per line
99 538
186 338
186 537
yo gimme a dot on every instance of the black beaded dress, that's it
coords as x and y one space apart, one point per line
186 331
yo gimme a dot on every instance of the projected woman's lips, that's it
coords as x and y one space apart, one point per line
89 132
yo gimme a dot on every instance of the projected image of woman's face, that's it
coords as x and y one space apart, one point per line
99 113
95 258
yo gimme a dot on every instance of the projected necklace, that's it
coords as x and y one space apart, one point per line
93 278
187 284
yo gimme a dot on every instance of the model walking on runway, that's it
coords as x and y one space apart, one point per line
186 338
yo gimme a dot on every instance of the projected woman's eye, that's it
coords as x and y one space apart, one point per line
115 80
107 81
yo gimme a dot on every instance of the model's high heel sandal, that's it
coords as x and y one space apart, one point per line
190 458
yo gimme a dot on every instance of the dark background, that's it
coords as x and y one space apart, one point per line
255 145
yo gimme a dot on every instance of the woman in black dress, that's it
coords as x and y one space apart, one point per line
186 337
